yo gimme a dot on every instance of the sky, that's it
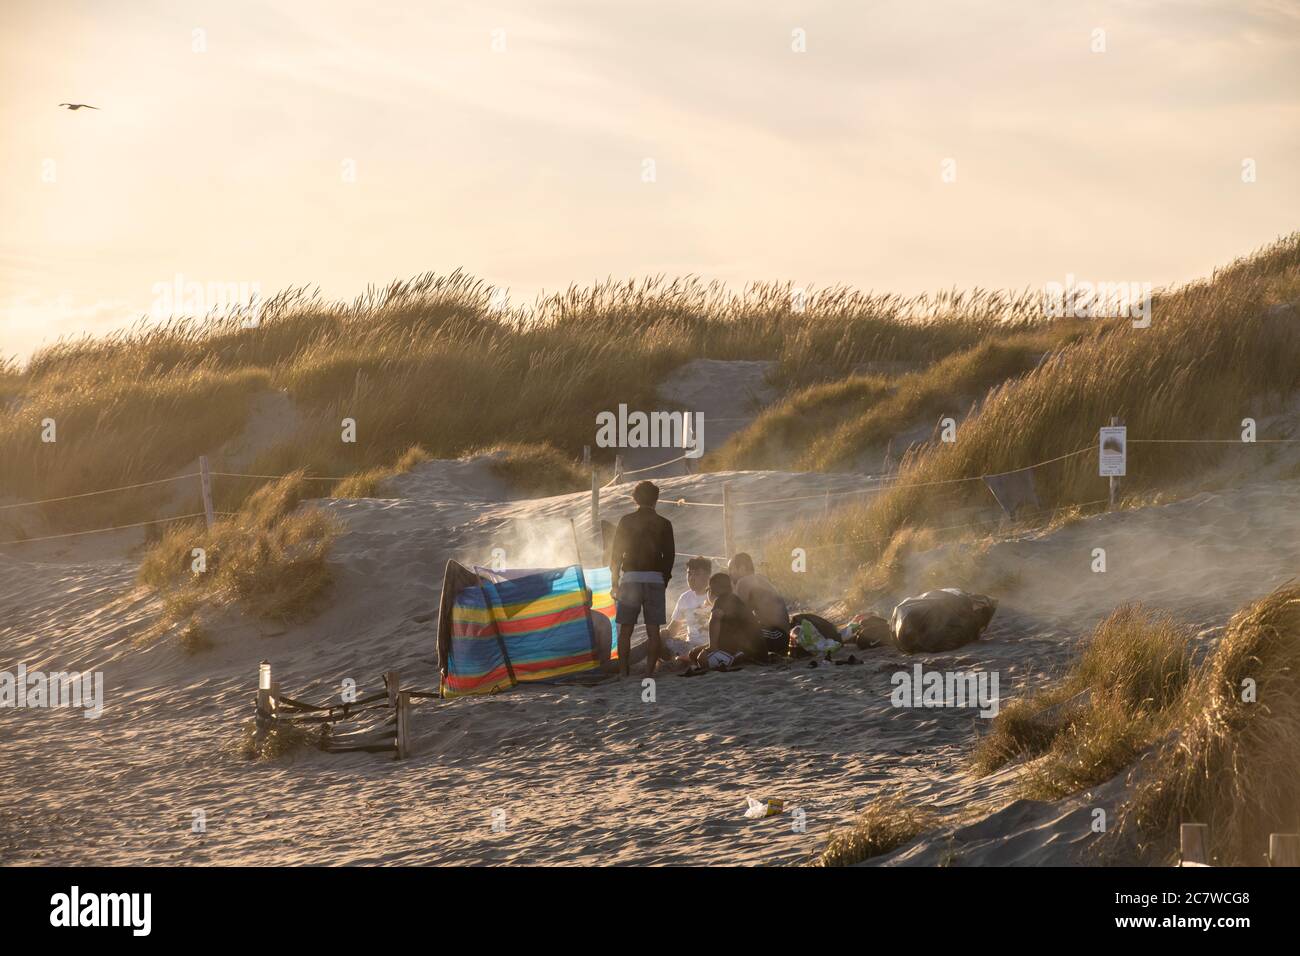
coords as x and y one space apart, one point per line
244 147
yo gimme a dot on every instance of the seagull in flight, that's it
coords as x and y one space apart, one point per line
77 106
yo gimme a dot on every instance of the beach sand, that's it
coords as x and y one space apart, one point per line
582 774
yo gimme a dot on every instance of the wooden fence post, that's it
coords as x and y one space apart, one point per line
1114 481
1284 849
264 686
728 530
392 681
1194 844
618 467
205 481
403 724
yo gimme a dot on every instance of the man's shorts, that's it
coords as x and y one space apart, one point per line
635 597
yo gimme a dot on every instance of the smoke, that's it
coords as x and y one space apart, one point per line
534 543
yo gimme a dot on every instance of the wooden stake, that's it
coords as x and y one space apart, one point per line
728 530
618 467
577 551
392 681
1194 844
1284 849
205 481
403 724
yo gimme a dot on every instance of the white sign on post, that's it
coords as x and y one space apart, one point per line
1113 443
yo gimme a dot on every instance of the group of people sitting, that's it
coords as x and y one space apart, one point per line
720 620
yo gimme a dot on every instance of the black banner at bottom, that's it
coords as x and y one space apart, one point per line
345 906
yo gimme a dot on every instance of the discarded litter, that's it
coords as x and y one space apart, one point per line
770 807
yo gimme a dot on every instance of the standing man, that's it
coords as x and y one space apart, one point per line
640 566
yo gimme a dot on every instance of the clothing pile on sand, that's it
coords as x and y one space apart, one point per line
722 621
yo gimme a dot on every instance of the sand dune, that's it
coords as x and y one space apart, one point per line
583 774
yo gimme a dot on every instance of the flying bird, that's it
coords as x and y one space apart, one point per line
77 106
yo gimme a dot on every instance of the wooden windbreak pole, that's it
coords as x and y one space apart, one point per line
728 529
205 482
577 550
403 725
595 490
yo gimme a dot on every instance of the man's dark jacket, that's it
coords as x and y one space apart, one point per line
643 542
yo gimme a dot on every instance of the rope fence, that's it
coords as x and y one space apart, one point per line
728 504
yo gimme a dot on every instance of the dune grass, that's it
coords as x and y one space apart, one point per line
426 362
1219 739
366 484
829 426
1234 762
431 362
536 469
886 824
281 740
269 560
1119 696
1216 352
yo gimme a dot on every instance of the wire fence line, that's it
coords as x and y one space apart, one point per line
955 527
102 491
233 474
120 527
883 483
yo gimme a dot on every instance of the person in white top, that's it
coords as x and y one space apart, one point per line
688 627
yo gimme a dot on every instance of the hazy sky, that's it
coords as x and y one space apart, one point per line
223 156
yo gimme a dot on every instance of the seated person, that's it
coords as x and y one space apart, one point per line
761 595
688 628
733 628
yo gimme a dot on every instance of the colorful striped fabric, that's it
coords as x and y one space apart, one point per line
508 629
599 580
477 660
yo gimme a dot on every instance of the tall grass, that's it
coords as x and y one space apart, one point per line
430 362
1219 739
886 824
1234 762
1215 352
426 362
269 560
828 426
1120 695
